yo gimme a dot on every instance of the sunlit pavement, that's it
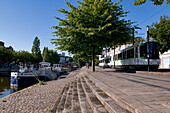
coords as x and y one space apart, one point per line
148 91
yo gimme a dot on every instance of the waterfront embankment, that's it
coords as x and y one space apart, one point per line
37 98
105 90
4 86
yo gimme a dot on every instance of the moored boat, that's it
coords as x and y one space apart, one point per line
28 76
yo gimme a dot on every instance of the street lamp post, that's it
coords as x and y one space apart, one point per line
133 35
148 47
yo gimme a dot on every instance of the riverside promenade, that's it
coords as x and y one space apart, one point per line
36 98
103 91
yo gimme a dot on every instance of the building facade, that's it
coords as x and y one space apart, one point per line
65 59
165 60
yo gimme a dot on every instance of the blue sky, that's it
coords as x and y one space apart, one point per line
22 20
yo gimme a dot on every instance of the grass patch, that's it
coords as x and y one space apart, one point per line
41 83
48 110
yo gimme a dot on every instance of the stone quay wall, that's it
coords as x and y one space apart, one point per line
37 98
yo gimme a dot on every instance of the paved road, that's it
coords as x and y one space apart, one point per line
151 91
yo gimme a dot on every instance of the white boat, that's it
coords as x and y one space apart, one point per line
58 67
25 76
28 76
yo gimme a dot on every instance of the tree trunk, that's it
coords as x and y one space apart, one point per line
88 63
114 57
93 58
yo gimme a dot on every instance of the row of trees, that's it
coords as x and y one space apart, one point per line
98 24
9 55
47 55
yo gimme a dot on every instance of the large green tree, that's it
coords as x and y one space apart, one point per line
36 50
161 32
155 2
92 26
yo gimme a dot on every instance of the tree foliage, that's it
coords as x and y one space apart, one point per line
45 54
91 26
81 58
10 48
50 56
139 39
36 49
53 57
161 32
6 55
155 2
24 57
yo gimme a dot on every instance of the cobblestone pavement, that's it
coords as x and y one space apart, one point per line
35 99
152 91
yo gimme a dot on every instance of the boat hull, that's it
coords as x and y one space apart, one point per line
21 80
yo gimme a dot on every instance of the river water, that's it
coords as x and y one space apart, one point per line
4 86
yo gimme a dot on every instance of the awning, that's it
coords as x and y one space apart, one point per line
45 63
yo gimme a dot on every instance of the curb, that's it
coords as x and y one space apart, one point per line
1 99
154 73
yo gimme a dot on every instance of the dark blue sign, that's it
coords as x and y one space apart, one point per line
150 49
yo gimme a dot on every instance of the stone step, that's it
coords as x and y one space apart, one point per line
75 101
111 105
68 102
61 104
95 104
84 105
123 100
